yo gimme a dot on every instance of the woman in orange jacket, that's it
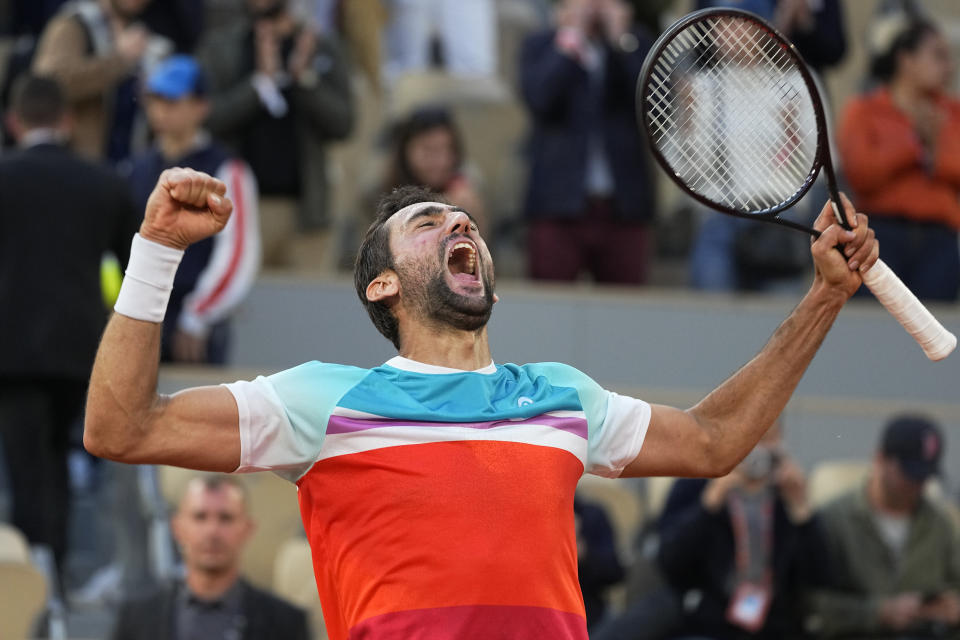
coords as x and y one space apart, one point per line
900 146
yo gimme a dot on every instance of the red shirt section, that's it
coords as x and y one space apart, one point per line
888 168
411 540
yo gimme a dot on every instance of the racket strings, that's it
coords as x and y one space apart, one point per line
749 55
745 54
728 111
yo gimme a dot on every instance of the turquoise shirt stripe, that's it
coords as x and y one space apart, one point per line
508 394
309 393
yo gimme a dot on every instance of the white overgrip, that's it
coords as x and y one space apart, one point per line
932 337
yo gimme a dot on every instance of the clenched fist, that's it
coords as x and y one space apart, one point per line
185 207
841 271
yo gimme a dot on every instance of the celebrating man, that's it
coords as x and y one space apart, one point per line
437 489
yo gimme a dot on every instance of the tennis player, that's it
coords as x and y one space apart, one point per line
437 489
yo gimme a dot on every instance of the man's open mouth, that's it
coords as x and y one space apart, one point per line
462 258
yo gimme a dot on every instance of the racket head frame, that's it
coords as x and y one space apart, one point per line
822 149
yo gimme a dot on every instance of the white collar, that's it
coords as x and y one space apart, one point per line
406 364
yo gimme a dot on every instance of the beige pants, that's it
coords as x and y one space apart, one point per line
286 248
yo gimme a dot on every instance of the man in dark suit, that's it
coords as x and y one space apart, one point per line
58 215
211 527
590 191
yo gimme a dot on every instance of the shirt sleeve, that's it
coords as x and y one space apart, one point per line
616 441
283 417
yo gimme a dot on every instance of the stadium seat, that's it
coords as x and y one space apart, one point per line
273 506
937 494
23 588
832 478
23 594
415 89
293 581
13 546
657 490
621 500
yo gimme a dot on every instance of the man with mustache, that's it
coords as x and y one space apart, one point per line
437 489
211 526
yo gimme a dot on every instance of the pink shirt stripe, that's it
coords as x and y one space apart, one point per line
570 424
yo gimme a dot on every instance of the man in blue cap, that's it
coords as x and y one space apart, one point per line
215 274
892 565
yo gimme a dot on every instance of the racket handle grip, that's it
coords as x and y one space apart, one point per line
932 337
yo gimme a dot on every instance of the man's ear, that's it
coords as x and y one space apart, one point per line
386 285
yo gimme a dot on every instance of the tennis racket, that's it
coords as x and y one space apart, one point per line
733 115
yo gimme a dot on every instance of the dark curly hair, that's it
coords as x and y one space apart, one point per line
883 65
374 256
423 119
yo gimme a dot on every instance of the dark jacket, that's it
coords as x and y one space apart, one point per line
321 110
266 617
563 110
697 553
862 570
58 214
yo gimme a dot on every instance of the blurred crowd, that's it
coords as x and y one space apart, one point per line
522 112
857 550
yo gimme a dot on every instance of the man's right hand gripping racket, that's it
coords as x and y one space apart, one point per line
733 115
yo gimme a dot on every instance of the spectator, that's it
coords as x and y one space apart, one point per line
428 152
96 49
734 254
211 527
279 93
741 542
816 28
590 193
216 274
59 215
893 560
598 566
900 146
465 31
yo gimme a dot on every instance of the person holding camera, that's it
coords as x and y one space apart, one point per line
736 548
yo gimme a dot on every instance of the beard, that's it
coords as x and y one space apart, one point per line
429 294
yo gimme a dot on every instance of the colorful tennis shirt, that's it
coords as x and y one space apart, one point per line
439 503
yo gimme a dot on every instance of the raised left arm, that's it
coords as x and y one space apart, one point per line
712 437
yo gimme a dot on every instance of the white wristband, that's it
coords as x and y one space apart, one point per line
148 280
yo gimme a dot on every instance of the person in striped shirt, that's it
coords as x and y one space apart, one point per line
436 489
216 273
